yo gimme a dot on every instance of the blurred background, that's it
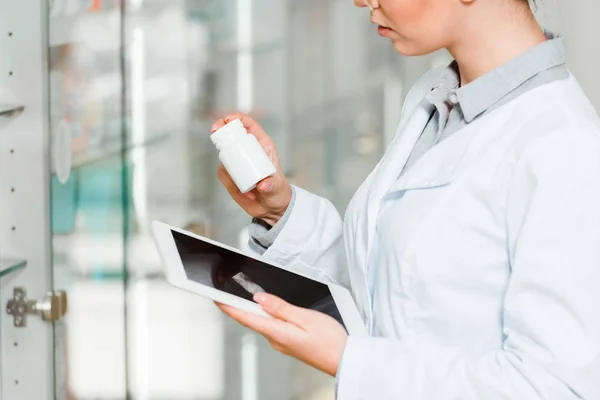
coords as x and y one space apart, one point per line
136 86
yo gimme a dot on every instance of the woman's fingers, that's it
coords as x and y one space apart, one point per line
313 338
217 125
250 196
271 328
283 310
250 124
265 185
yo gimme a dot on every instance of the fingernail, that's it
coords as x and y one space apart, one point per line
266 186
228 118
260 298
215 126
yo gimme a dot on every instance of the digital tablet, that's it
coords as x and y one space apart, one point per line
229 276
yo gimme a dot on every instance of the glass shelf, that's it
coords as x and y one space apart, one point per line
10 110
68 29
10 265
113 149
233 49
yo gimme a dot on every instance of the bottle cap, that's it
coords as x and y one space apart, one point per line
230 128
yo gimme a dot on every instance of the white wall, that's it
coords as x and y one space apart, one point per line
577 21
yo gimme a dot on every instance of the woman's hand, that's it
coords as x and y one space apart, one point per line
272 195
310 336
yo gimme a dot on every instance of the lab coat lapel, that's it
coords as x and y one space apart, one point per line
438 167
392 164
435 168
441 164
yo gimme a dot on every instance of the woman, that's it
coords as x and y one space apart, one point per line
473 248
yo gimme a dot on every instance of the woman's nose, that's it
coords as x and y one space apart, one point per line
364 3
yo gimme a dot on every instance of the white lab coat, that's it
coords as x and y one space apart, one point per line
489 262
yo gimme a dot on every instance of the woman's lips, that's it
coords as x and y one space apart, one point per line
383 31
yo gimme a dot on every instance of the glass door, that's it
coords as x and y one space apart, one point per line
134 88
90 206
189 62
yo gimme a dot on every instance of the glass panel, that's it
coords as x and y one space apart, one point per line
90 210
178 340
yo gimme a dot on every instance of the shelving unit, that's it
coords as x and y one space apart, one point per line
11 265
10 110
82 159
24 206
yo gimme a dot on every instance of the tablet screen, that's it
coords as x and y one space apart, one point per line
243 276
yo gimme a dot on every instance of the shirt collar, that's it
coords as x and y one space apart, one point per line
481 94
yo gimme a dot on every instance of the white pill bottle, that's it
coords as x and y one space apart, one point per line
242 156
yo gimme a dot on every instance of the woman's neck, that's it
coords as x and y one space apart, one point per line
493 40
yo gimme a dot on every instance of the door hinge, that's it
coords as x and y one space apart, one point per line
51 308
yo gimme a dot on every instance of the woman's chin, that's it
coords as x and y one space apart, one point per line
411 49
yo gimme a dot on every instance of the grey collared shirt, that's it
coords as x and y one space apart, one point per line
262 236
456 107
